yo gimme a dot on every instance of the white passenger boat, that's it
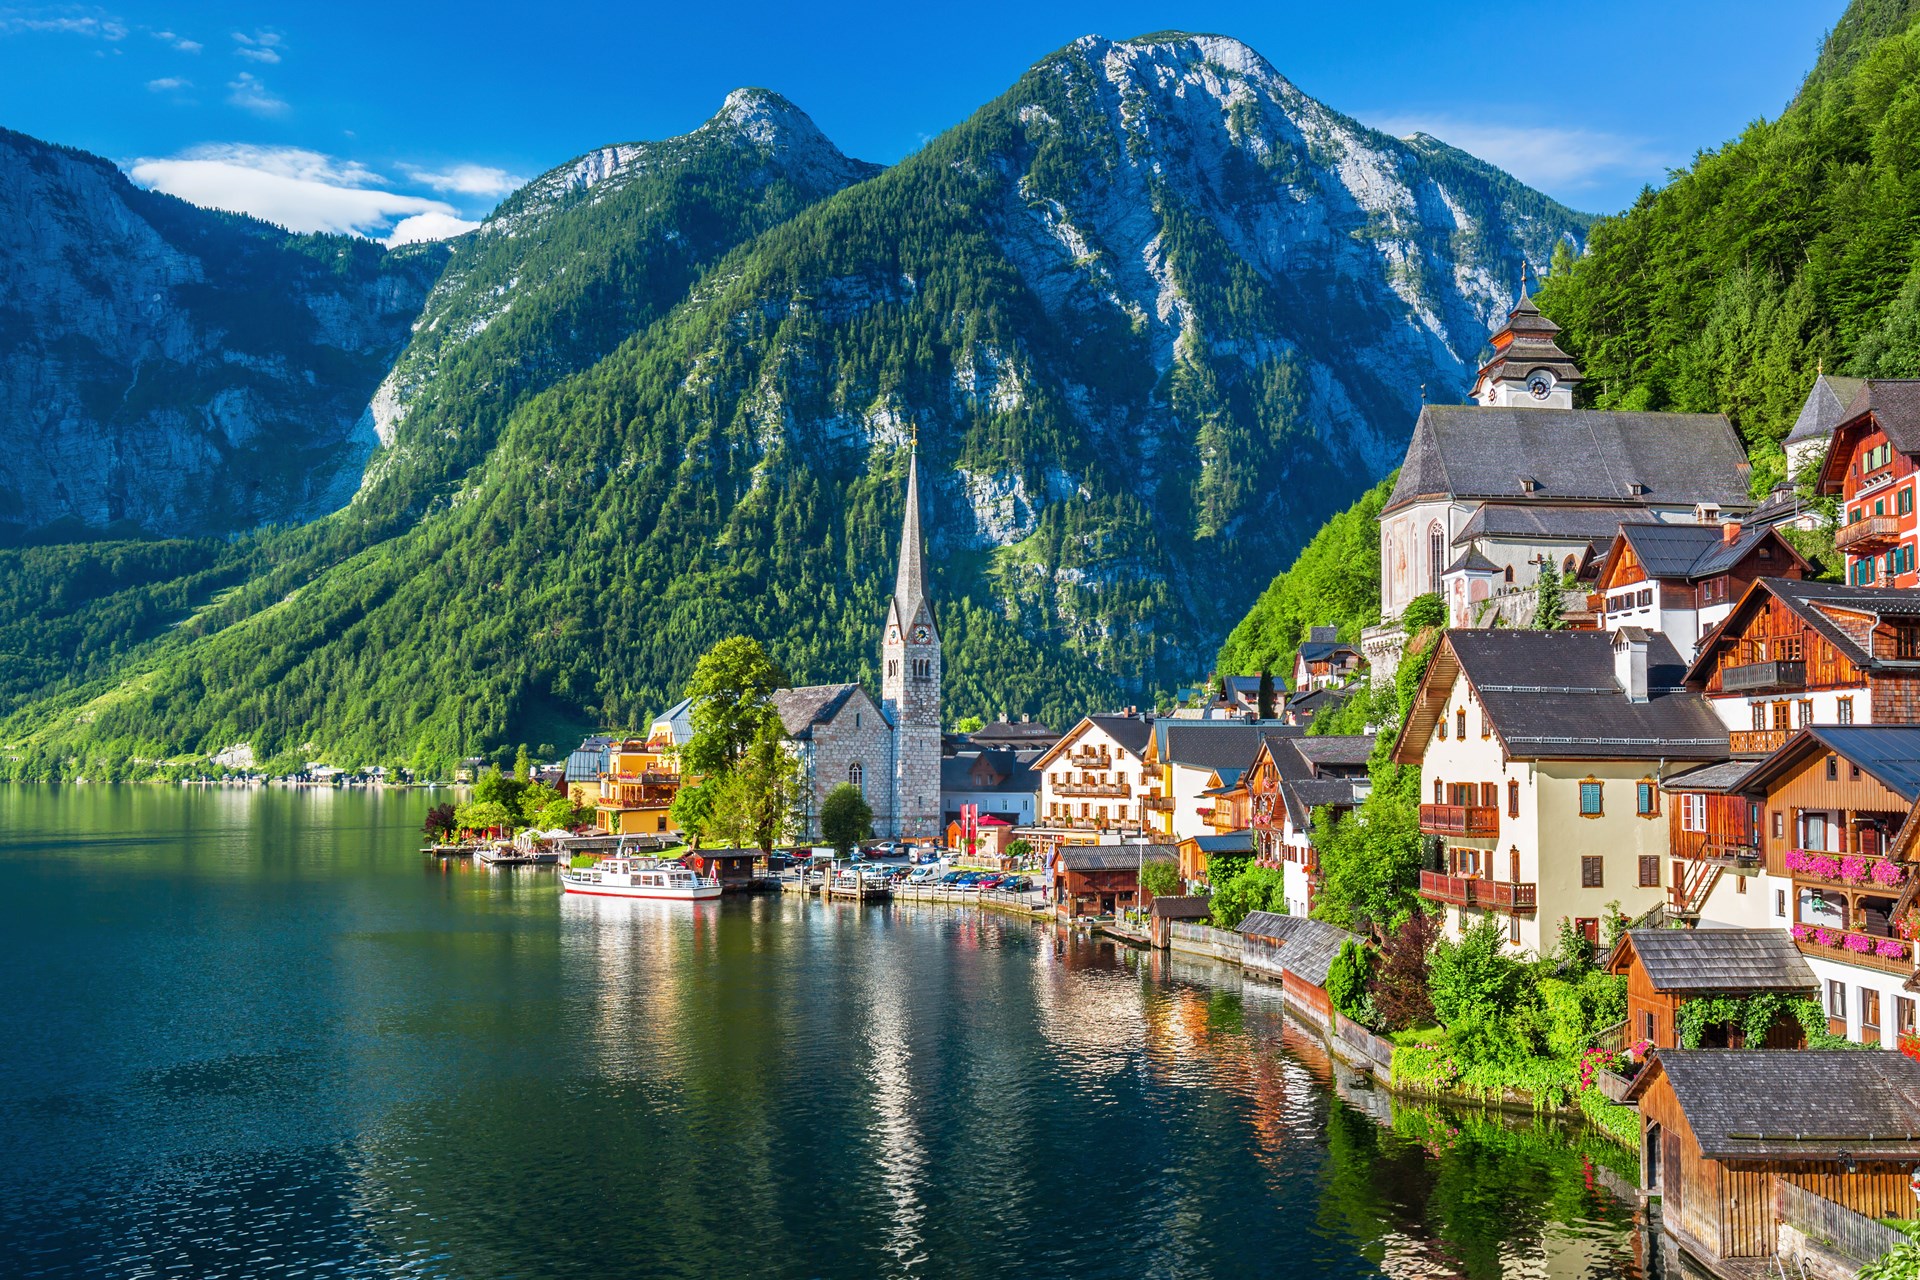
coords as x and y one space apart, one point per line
622 877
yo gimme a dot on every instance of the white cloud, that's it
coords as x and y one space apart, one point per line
1567 159
169 84
65 20
178 42
466 179
299 189
428 226
261 46
249 94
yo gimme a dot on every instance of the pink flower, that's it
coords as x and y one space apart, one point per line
1800 932
1859 942
1889 949
1826 937
1854 868
1824 866
1796 860
1887 874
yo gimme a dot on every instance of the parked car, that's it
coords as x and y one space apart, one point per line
1016 884
990 882
953 877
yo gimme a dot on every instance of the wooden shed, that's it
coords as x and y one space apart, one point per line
1665 968
1717 1125
1187 909
1298 950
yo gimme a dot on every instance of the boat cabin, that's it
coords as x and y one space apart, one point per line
733 868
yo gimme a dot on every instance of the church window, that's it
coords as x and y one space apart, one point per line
856 719
893 667
1436 555
1567 567
855 774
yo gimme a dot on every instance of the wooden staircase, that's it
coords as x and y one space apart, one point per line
1688 900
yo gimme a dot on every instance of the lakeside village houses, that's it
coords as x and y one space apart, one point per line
1717 746
1716 741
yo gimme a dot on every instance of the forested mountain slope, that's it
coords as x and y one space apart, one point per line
170 370
1154 313
1794 247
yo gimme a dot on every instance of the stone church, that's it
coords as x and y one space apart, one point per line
890 747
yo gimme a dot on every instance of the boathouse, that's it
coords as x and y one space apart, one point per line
733 868
1169 910
1665 968
1096 880
1719 1126
1298 950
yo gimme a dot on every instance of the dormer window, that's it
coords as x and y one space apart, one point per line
1637 489
1529 485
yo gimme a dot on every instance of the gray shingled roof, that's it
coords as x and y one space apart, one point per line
1825 408
1303 795
1015 767
1552 695
1573 455
1895 405
801 709
1212 744
1471 561
1689 552
1115 857
1131 732
1696 960
1307 946
1594 526
1335 750
1760 1104
1723 777
1189 907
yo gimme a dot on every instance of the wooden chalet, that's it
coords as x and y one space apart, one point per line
1713 832
1097 880
1682 579
1838 800
1665 968
1871 466
1720 1126
1793 653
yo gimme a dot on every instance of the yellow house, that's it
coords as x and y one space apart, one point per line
1541 755
637 787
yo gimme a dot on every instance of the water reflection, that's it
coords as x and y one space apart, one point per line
258 1034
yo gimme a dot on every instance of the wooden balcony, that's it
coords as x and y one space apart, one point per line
1757 742
1088 758
1901 964
1867 535
1472 891
1158 804
1114 790
1758 677
1476 820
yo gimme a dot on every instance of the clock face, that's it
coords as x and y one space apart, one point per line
1540 384
920 634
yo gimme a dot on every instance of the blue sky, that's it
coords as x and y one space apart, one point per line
365 116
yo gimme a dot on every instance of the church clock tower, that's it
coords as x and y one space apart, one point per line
910 678
1528 370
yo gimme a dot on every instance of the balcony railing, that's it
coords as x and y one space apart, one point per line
1119 790
1853 870
1159 804
1867 535
1459 820
1725 855
1472 891
1084 756
1067 823
1758 741
1756 676
1901 963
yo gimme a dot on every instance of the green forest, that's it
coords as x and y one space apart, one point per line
691 423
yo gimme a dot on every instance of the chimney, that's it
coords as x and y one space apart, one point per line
1630 662
1729 531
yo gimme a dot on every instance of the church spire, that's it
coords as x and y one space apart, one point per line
910 580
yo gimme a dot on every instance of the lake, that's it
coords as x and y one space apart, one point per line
257 1034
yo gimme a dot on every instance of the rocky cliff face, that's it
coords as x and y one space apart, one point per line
169 370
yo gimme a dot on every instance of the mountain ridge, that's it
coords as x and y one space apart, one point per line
1153 310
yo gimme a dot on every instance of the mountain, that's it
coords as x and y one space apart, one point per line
1793 247
1154 313
168 370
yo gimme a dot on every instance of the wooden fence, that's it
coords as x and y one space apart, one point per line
1830 1225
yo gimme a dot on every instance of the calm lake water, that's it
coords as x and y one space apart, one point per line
256 1034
